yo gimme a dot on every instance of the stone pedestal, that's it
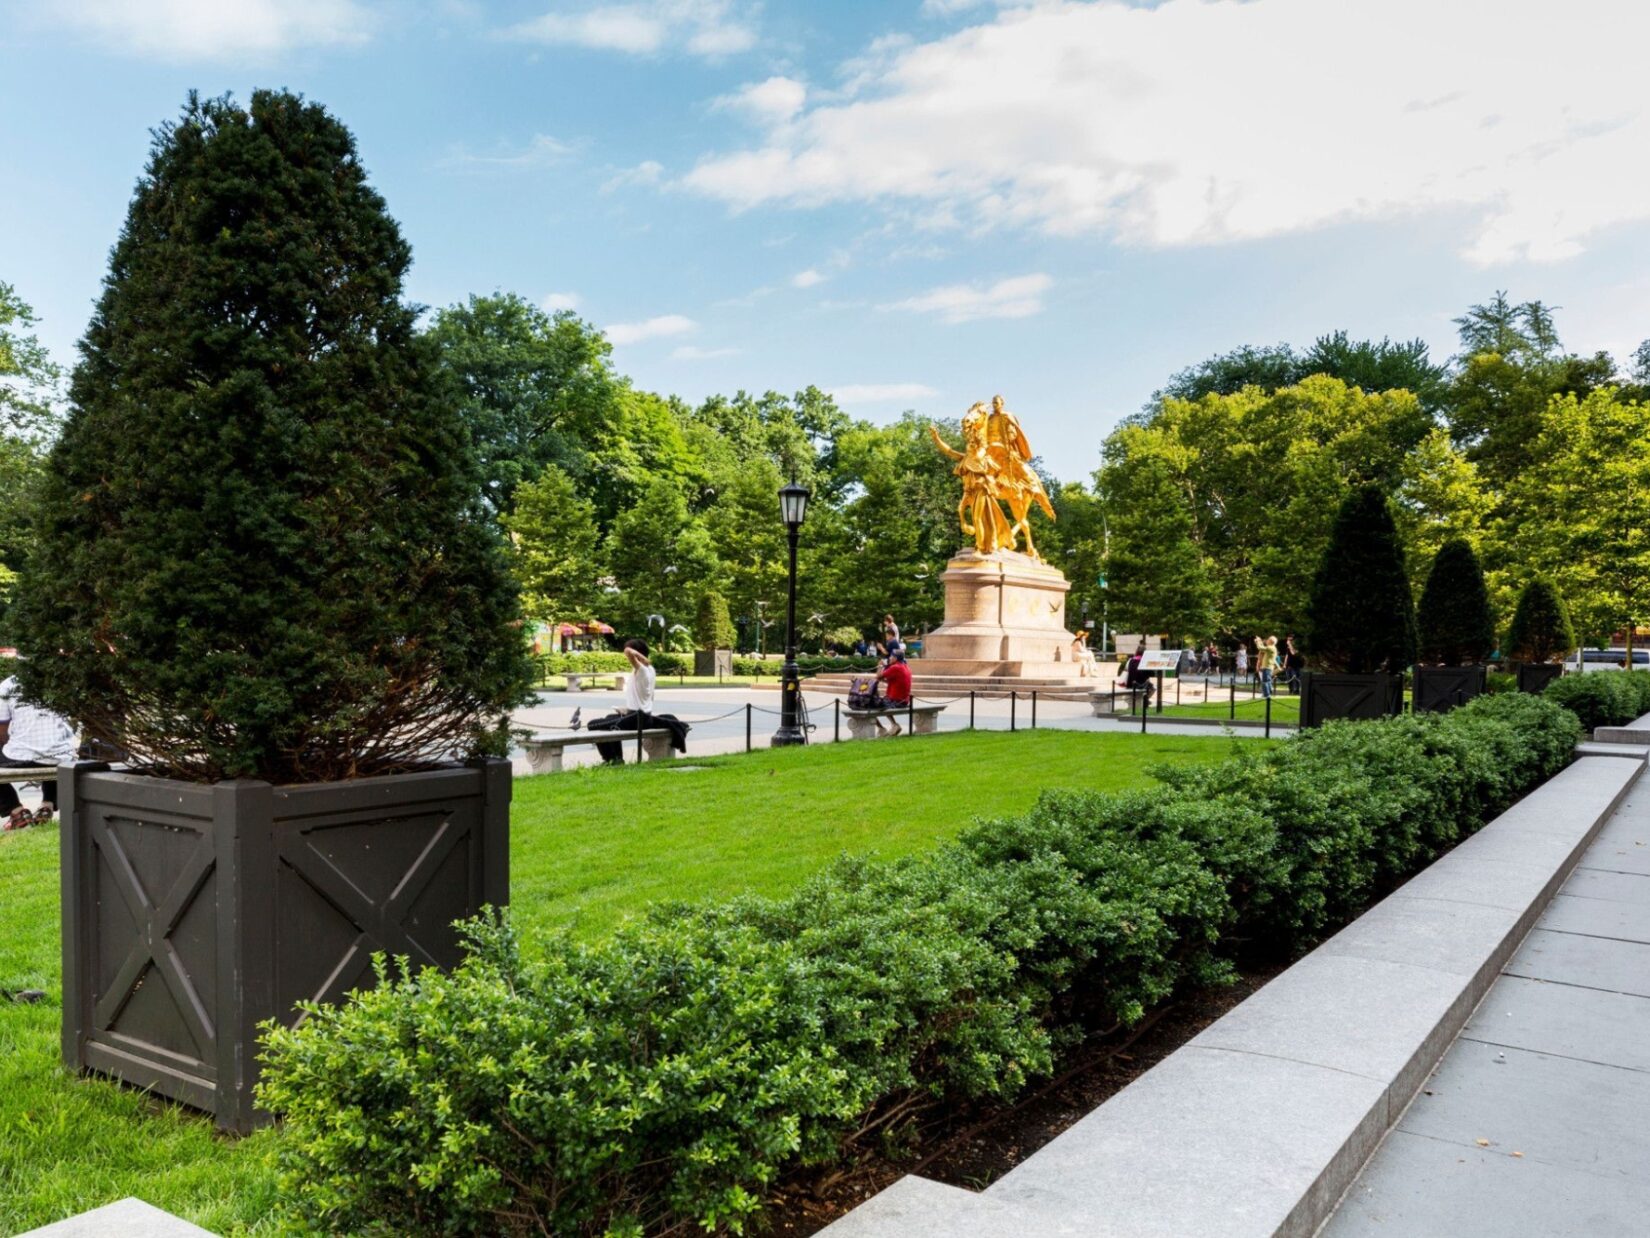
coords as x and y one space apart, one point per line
1005 616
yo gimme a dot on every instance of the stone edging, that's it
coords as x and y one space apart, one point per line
1255 1127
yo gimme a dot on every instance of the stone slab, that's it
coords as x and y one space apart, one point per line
1459 938
1560 1019
1382 1020
1598 917
1207 1144
1636 751
1623 846
1591 962
919 1208
1602 883
1554 1110
1422 1188
128 1218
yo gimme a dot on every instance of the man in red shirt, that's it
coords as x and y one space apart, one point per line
896 678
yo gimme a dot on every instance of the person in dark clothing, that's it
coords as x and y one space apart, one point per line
638 711
1294 662
1135 679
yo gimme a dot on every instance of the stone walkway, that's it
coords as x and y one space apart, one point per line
1537 1121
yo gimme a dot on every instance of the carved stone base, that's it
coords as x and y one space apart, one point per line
1005 615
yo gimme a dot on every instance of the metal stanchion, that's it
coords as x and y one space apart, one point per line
747 726
1177 688
1159 691
911 714
638 737
1268 717
1232 714
1013 700
1145 710
971 709
836 721
1034 709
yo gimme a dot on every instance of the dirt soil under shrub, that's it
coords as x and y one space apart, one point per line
972 1150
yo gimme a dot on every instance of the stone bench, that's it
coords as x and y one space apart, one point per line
577 679
1636 732
924 720
544 752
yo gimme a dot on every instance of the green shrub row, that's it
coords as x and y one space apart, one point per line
669 1076
809 664
1603 698
667 663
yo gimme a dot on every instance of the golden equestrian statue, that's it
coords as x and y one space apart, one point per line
995 467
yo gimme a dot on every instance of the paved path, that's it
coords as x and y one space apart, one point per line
718 718
1537 1121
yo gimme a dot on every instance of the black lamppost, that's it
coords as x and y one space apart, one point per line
793 507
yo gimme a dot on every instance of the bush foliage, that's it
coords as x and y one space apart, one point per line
1453 621
1603 698
1361 616
260 547
713 628
672 1074
1540 628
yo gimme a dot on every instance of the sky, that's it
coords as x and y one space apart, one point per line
913 204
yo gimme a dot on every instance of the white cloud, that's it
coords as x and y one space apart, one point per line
647 172
881 393
649 329
769 103
540 151
947 8
555 302
808 278
709 28
691 352
1018 297
211 29
1194 123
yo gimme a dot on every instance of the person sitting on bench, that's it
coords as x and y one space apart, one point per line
30 736
638 706
1135 679
896 680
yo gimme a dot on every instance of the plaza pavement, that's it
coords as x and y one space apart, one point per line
718 718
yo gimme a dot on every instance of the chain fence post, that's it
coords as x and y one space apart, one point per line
747 726
971 709
911 714
638 737
1034 709
1232 715
1145 709
1159 691
1013 703
836 722
1268 717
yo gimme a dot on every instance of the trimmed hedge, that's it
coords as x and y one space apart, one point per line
602 661
809 664
672 1074
1603 698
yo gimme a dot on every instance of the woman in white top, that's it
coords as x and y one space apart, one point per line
639 684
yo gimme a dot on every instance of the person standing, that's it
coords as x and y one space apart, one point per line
31 736
1266 661
1294 662
1240 664
890 633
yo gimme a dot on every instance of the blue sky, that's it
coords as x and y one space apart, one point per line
914 203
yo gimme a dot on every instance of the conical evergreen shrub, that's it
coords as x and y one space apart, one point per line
1453 621
1361 616
1540 629
713 627
261 549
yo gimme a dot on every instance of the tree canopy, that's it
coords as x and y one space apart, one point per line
1361 616
1453 621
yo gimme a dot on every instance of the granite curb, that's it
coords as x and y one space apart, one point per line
1256 1127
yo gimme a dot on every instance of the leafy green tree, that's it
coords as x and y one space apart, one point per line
1523 331
1440 497
713 627
535 388
1373 366
1361 617
1159 580
555 543
29 380
1579 514
1540 628
660 554
1453 620
260 552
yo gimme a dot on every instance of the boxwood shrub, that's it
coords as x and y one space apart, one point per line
668 1077
1603 698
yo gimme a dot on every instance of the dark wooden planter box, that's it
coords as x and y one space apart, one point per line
1327 696
713 662
1439 689
192 912
1535 676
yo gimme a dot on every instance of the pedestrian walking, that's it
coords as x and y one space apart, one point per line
1266 661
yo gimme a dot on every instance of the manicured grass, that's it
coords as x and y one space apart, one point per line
593 844
588 847
1286 710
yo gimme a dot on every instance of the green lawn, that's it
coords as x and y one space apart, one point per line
1286 709
588 846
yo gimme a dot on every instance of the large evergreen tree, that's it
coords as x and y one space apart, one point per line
1361 617
261 547
1454 622
1540 629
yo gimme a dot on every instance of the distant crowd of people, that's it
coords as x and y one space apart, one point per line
1275 664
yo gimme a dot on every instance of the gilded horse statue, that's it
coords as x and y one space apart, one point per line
995 467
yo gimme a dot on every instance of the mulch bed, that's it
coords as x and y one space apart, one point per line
972 1150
